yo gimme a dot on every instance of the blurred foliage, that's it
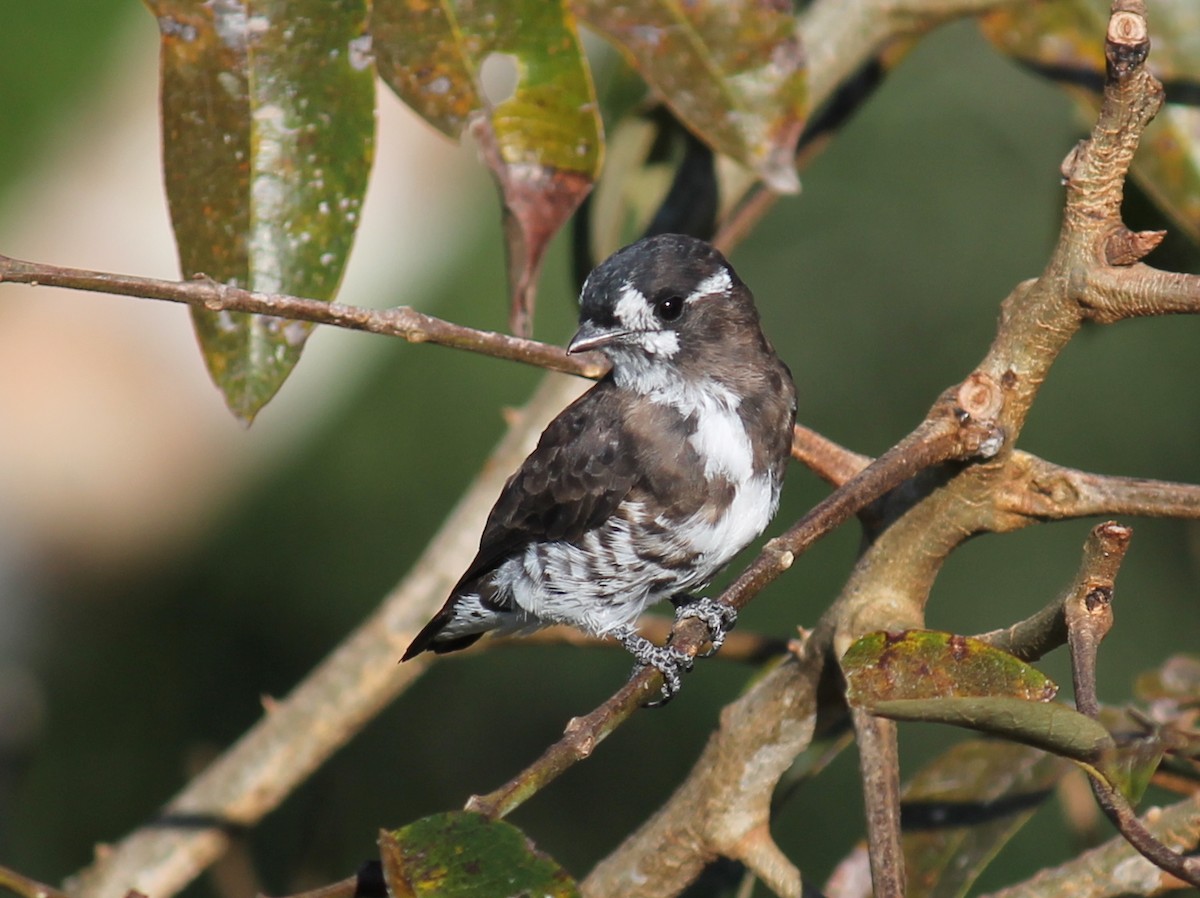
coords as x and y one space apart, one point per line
879 285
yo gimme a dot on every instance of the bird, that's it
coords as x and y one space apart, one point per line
645 487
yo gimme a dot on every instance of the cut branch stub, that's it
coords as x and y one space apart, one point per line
543 141
268 137
1058 41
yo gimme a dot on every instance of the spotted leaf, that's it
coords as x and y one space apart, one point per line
733 72
543 142
464 855
268 136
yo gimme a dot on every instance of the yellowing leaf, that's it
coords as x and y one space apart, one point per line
464 855
731 70
543 143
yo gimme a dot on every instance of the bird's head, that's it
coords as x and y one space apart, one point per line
663 302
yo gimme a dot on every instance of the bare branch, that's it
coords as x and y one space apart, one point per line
1040 489
1125 819
401 321
723 808
832 463
1114 868
1140 292
14 882
1088 608
1089 617
879 766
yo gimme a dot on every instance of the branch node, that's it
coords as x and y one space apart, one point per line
1124 247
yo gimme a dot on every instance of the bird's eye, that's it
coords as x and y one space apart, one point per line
669 308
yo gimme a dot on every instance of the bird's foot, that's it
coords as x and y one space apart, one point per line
669 661
720 617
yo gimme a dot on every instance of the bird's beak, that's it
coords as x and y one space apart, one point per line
591 336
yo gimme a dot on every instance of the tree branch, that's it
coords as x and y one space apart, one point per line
832 463
1040 489
14 882
879 767
401 321
914 528
1089 618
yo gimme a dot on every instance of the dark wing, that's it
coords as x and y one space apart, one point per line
581 470
579 473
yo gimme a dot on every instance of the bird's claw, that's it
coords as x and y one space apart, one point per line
720 617
669 661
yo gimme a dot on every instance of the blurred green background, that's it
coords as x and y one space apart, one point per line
879 285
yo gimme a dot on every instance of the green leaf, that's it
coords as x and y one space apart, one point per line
464 855
1046 725
928 664
962 807
733 72
543 143
1130 765
268 138
1067 37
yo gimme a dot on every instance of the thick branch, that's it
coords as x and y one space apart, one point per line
920 524
1040 489
402 321
1139 291
879 767
1114 868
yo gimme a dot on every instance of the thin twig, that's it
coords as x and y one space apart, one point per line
401 321
832 463
26 887
1046 629
1088 610
1114 869
1089 618
343 888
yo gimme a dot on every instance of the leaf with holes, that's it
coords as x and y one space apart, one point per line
543 143
464 855
927 664
268 136
733 72
1059 40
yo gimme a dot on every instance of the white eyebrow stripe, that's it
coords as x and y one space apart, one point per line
633 309
720 282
